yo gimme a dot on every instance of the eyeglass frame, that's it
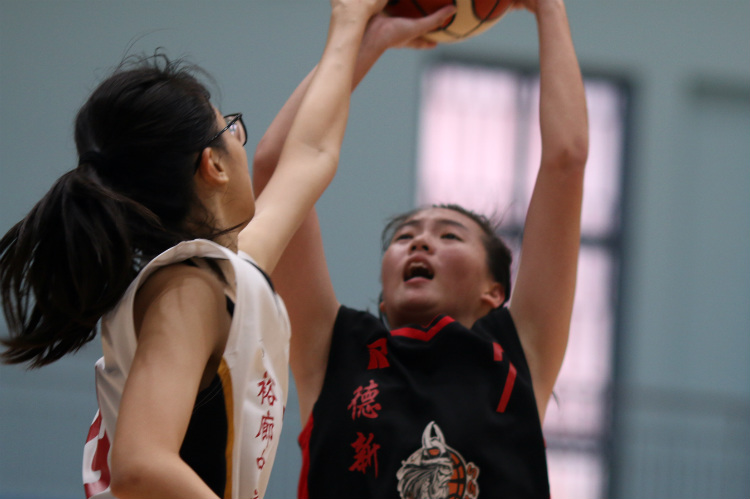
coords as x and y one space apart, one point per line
233 119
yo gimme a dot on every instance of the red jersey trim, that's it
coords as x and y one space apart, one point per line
99 462
304 442
509 382
426 333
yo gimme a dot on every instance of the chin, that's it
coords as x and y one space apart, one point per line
414 312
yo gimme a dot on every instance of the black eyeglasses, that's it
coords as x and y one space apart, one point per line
236 128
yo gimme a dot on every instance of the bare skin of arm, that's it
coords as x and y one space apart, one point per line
542 301
302 276
182 327
309 152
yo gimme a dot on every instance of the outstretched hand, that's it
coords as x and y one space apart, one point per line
393 32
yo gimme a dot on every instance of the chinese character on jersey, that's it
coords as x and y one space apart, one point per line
266 390
265 432
365 454
363 403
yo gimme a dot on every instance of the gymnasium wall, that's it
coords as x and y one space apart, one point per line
682 397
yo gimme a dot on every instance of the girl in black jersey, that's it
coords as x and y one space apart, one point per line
159 166
447 399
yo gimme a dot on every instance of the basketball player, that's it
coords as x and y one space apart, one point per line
157 233
445 396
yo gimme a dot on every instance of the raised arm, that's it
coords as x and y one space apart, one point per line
542 301
301 275
309 157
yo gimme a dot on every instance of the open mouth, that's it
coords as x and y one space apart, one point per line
418 269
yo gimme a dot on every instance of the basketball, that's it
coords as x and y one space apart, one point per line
472 17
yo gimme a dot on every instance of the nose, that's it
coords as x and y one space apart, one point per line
420 243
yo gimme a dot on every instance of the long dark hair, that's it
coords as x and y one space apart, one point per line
132 196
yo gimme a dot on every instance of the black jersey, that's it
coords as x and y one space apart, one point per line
434 411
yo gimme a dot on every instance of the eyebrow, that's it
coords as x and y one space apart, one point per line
439 221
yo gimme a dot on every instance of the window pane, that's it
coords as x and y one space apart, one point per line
577 475
467 138
584 381
602 185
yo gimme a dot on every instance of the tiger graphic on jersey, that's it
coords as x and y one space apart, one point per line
437 471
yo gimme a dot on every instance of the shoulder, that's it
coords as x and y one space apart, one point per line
350 318
181 277
179 288
354 328
499 325
183 310
498 319
246 262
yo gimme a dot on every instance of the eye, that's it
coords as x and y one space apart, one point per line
401 237
450 235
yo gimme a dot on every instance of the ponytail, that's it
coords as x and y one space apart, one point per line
131 197
66 264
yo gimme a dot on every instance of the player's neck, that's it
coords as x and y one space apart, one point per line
425 318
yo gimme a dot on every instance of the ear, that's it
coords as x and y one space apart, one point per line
382 307
494 296
211 169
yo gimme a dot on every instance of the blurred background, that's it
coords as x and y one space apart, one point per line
654 397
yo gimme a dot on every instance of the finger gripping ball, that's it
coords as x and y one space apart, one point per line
472 17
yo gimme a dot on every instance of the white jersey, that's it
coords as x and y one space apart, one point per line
253 372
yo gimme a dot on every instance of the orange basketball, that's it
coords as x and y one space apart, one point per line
471 18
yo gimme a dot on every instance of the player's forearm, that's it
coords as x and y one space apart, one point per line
159 476
318 129
563 113
269 148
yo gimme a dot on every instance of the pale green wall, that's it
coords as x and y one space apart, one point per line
686 296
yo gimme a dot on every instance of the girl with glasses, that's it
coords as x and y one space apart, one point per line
444 394
156 238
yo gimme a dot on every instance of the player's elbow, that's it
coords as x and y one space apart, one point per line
571 156
266 156
320 159
129 477
329 158
576 150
